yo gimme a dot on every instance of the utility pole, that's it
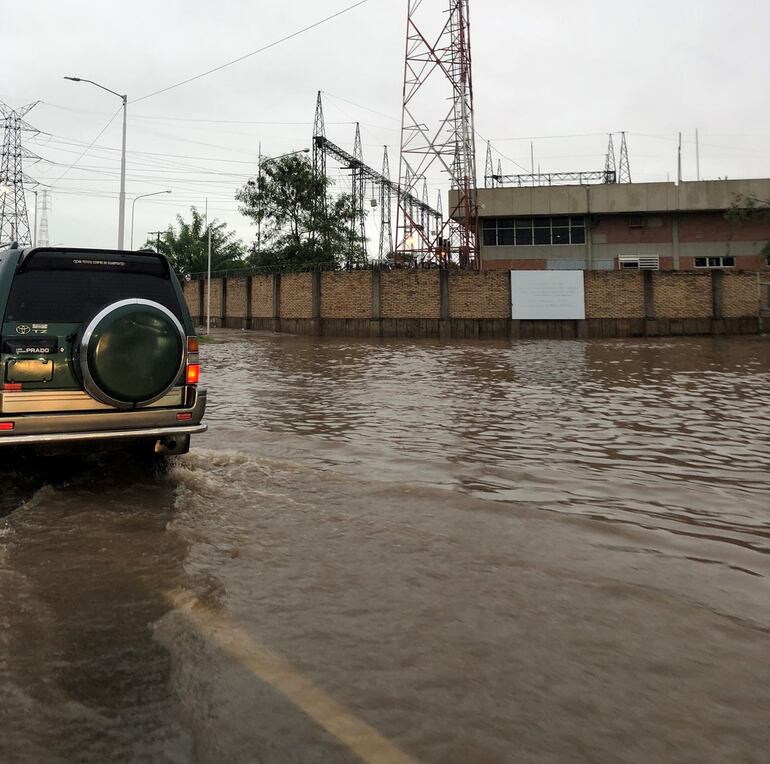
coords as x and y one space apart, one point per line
208 269
157 235
697 155
679 160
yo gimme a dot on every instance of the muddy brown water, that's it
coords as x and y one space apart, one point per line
439 552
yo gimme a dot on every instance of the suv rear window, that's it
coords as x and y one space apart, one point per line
71 287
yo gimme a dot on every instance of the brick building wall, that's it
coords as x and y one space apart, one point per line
616 229
262 296
236 298
740 295
297 295
614 294
410 294
682 295
346 295
479 295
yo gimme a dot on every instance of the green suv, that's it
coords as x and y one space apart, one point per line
97 345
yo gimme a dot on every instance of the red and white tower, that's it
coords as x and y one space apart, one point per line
438 143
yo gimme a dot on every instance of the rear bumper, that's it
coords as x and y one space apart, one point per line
33 429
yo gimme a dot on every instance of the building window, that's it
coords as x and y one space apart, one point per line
639 262
539 231
715 262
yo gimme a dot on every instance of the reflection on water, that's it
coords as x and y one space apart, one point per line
530 551
671 434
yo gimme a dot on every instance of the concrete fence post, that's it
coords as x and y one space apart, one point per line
276 302
443 288
223 304
717 294
248 301
315 297
376 293
649 295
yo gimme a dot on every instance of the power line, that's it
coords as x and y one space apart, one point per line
88 147
254 52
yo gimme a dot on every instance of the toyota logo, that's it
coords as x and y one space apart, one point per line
22 329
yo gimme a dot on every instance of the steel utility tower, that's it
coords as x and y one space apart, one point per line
437 69
358 192
386 203
14 217
624 167
319 174
609 160
43 237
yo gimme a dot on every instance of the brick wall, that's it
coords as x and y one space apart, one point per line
479 295
297 295
216 298
713 226
614 294
192 296
514 265
236 298
410 294
657 229
262 296
740 296
682 295
346 295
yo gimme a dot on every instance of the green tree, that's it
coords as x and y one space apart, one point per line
186 245
751 208
294 231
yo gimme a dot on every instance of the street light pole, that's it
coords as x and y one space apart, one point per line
122 197
133 205
122 202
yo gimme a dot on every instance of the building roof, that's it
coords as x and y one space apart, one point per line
618 198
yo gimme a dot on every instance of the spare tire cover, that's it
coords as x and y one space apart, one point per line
131 353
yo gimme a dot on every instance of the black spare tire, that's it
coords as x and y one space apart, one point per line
131 353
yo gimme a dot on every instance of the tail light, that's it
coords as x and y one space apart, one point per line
5 426
193 373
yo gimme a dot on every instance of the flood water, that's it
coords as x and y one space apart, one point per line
407 551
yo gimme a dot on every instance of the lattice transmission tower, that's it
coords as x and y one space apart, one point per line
386 205
14 216
435 139
43 237
624 166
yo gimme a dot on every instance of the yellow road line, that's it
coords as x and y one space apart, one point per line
274 669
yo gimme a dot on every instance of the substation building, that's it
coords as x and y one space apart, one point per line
622 226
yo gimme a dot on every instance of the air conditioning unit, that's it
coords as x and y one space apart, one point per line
636 221
639 262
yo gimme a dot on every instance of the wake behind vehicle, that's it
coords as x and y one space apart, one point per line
97 346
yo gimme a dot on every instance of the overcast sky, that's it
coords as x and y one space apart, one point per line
562 74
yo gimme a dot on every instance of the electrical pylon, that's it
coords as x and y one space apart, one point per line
489 169
386 205
14 217
319 176
43 237
624 170
358 192
610 168
432 144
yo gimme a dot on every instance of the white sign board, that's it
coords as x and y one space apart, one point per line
547 295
